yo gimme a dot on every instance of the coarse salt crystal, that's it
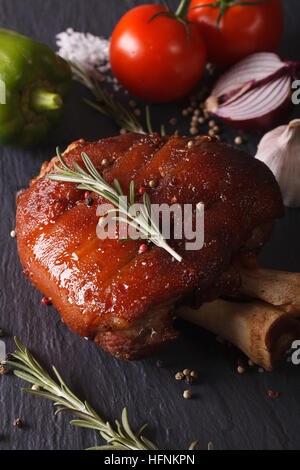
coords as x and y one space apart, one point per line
89 51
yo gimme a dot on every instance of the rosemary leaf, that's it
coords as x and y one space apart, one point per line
123 438
91 180
105 103
37 393
126 425
83 424
148 443
132 193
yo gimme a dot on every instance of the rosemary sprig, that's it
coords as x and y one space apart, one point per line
91 180
105 103
121 438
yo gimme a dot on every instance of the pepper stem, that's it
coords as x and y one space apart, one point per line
43 100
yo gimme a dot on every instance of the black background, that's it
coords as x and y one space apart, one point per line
231 410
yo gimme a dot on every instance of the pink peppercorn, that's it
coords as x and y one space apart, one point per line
46 301
143 248
142 190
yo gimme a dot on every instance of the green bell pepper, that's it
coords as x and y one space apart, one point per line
35 83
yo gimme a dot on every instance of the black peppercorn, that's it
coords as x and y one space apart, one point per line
160 363
189 380
89 201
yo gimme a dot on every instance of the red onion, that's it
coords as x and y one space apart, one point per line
254 94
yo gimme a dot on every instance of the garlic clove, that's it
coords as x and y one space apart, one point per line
280 151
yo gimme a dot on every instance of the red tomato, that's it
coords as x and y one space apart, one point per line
243 29
155 60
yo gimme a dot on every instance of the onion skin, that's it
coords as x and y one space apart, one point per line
264 123
260 83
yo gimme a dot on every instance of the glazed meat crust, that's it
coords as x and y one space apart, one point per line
103 289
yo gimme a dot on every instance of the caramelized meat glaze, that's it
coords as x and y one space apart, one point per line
104 289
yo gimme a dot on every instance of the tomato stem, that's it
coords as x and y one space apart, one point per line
166 3
182 9
224 4
178 15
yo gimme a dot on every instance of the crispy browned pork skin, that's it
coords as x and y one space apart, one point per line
104 289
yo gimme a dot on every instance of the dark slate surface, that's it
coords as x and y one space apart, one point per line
232 411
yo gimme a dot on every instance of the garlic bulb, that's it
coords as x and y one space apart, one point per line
280 151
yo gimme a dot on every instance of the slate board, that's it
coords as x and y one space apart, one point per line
231 410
